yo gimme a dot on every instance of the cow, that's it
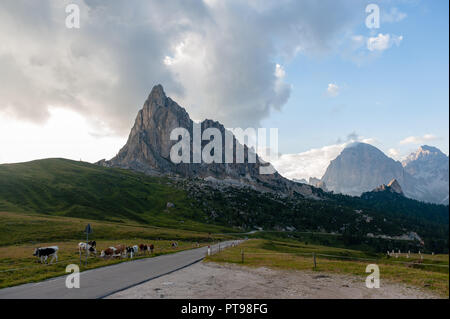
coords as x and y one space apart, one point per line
44 252
144 248
108 252
90 247
120 250
151 247
132 250
174 244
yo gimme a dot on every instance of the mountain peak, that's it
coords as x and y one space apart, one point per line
425 153
393 186
358 145
361 167
157 95
149 150
427 148
158 90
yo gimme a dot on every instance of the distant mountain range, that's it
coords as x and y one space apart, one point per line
236 194
362 167
359 168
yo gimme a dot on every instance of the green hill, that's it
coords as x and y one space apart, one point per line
68 188
78 189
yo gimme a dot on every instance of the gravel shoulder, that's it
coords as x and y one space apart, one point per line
228 281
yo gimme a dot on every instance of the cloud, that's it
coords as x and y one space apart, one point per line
219 59
394 153
333 90
362 49
383 42
392 16
314 162
419 139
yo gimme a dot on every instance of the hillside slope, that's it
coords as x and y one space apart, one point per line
82 190
77 189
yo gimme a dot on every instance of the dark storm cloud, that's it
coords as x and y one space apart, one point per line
216 58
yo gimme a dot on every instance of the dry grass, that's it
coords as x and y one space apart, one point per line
431 278
21 233
26 268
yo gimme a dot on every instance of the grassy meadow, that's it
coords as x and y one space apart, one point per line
49 202
60 187
293 255
20 233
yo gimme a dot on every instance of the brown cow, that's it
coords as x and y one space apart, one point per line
109 252
144 248
120 250
151 247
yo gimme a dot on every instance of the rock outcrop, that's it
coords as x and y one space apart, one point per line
313 181
149 145
392 187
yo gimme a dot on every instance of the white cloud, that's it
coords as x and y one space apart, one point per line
419 139
66 134
314 162
214 57
333 90
394 153
358 41
394 15
383 42
369 140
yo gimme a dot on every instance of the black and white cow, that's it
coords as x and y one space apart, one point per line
90 248
44 252
131 251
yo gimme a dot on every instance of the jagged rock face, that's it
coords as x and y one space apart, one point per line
148 150
360 168
395 187
430 167
302 180
392 187
313 181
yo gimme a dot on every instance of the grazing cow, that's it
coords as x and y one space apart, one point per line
132 250
90 247
151 247
144 248
120 250
109 252
44 252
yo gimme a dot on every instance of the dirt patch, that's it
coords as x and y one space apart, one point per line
228 281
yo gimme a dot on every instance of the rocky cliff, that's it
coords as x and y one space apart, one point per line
149 145
362 167
392 187
430 167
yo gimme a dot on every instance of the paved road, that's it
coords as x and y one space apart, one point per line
102 282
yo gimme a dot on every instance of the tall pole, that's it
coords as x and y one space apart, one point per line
87 244
314 257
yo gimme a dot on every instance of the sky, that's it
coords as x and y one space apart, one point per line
312 69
